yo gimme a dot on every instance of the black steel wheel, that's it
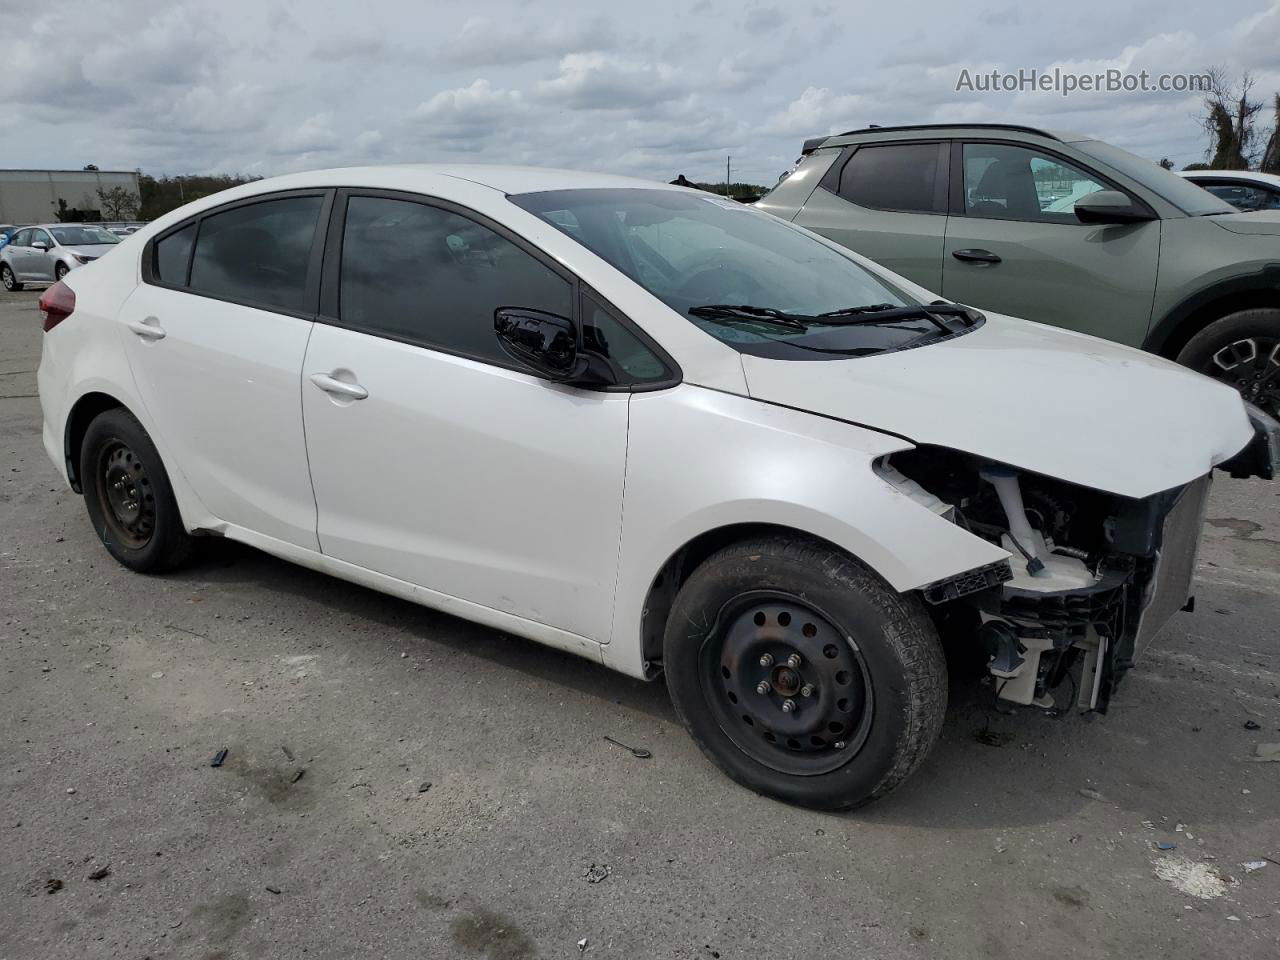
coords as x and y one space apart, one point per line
787 687
802 674
1243 351
128 495
127 500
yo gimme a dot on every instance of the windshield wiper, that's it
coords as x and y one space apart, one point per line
874 313
729 311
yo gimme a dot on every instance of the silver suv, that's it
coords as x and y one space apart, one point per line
46 252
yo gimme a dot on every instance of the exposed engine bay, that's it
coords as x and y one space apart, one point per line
1091 578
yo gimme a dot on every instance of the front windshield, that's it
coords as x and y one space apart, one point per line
1183 194
82 235
692 249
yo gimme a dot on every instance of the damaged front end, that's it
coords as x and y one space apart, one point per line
1091 578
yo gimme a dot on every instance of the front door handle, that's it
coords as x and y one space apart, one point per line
148 328
975 256
339 388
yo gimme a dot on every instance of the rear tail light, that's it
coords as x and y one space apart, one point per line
56 304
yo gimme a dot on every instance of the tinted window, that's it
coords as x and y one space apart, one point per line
894 177
173 254
1014 183
22 238
1245 196
258 253
420 273
604 334
83 236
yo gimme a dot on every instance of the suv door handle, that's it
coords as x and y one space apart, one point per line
339 388
975 256
148 328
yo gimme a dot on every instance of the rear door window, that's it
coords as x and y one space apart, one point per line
258 254
906 177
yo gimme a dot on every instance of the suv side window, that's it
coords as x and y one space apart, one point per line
259 253
425 275
1004 182
895 176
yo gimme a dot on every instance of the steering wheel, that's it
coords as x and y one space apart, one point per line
720 284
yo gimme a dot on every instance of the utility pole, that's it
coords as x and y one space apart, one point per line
727 180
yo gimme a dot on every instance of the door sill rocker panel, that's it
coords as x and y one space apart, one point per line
455 606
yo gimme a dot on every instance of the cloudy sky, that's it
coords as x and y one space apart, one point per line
651 88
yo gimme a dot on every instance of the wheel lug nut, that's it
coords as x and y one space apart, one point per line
806 690
766 660
793 661
763 687
788 705
839 744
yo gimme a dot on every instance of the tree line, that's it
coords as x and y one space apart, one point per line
1231 118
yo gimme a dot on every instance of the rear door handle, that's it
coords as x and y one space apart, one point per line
148 328
975 256
339 388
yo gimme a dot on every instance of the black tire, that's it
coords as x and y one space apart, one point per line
8 279
887 710
1243 350
119 466
60 271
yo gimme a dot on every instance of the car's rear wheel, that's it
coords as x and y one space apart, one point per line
8 279
802 674
128 495
60 271
1241 349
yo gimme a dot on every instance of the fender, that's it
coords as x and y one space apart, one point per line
1172 331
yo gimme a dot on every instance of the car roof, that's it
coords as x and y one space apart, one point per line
939 129
508 179
1250 175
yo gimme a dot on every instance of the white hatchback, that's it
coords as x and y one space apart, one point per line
649 426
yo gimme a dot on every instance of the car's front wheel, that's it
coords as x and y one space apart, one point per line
128 495
802 674
8 279
60 271
1243 350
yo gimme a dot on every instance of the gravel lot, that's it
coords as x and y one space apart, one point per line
117 690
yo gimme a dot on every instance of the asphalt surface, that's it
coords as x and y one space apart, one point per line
337 706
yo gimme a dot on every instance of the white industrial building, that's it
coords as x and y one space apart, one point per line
31 196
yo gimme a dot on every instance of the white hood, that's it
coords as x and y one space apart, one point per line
1048 400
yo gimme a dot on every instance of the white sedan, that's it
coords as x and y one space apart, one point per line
649 426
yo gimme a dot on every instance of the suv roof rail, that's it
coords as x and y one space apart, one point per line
813 143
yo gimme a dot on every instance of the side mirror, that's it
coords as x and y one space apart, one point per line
1110 206
40 245
545 342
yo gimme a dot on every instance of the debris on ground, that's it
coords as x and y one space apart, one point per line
52 885
70 791
298 774
1266 752
1252 725
1251 865
159 674
101 873
424 786
1198 880
595 874
275 890
639 753
1090 794
219 757
1165 845
287 753
582 945
992 738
